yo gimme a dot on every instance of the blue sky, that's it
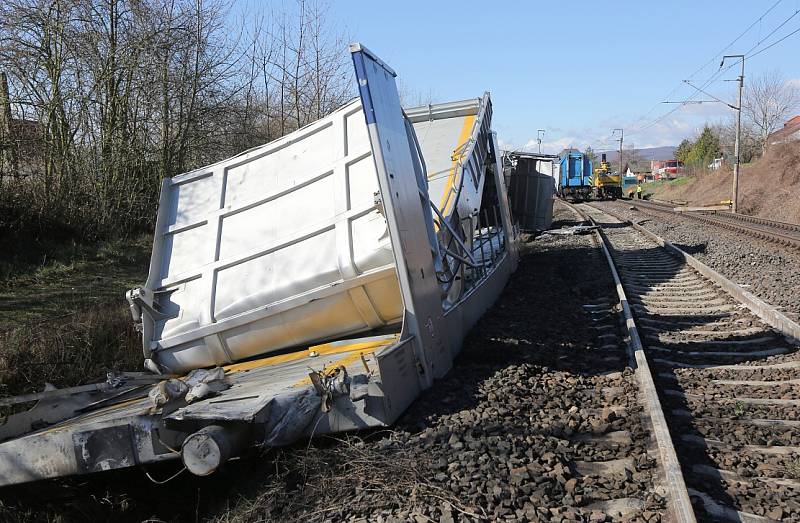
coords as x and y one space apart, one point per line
577 69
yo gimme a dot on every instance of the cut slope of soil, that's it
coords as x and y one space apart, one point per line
768 187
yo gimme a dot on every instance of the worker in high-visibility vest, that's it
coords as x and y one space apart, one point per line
639 191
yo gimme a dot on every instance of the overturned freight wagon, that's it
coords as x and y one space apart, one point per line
314 284
531 189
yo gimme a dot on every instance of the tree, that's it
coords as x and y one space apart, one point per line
749 145
296 68
123 93
410 97
769 99
683 150
629 155
8 156
704 149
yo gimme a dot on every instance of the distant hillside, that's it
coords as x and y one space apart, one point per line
654 153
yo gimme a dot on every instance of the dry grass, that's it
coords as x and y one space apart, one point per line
66 321
768 187
79 348
67 278
351 477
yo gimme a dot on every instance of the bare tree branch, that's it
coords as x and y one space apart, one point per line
769 100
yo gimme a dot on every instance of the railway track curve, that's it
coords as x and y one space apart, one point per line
724 365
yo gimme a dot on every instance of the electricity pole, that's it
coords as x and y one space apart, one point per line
735 198
539 134
621 137
738 109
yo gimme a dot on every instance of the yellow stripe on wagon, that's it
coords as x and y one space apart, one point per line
326 349
458 154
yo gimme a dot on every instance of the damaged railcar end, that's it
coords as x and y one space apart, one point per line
315 284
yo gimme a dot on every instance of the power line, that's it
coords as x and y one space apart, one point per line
748 55
773 32
737 39
677 87
721 71
776 42
713 77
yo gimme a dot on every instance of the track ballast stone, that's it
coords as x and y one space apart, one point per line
537 421
727 382
768 270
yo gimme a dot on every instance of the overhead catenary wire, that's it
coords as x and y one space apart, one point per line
711 80
776 42
748 54
709 62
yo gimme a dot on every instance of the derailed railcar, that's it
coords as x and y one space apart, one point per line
531 189
314 284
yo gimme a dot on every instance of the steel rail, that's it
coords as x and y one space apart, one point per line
765 221
722 215
767 313
756 305
680 502
765 230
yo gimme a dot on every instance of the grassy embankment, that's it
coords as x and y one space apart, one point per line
63 316
660 187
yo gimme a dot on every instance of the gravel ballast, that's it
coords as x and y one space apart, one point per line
537 421
736 438
768 270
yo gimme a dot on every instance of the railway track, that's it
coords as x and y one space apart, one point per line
783 233
537 421
725 373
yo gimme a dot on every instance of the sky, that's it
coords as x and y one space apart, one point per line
578 69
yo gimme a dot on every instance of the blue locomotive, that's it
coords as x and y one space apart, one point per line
575 176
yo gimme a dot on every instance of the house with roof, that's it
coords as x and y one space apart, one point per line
21 143
642 169
789 133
